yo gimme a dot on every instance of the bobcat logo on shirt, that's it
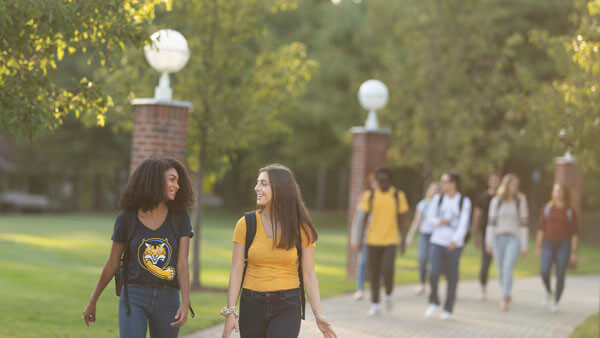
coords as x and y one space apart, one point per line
154 255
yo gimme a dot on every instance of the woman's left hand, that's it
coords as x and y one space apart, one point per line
573 261
523 254
325 327
180 316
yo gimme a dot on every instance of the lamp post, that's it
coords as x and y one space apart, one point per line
159 123
369 148
168 53
372 95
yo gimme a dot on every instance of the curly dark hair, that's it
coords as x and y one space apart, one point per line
145 188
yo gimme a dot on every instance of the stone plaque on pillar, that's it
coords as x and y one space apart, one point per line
368 153
159 129
569 173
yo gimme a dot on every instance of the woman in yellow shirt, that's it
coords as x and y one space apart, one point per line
272 297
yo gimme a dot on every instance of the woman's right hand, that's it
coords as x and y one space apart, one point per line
538 252
89 313
488 249
231 323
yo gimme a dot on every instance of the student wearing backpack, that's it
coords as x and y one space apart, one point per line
451 219
479 224
273 263
507 232
151 242
557 241
425 229
387 208
362 259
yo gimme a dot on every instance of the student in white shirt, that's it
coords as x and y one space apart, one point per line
450 217
507 232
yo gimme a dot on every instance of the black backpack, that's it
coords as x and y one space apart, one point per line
460 204
250 218
175 221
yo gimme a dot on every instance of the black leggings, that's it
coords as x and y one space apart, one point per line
274 314
381 260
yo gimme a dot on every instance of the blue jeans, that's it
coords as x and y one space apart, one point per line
423 256
270 314
555 253
151 306
443 261
506 252
361 271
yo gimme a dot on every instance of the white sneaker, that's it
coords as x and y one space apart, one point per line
419 290
445 315
374 311
554 307
358 295
547 301
431 310
389 303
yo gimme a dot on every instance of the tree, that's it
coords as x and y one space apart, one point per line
34 37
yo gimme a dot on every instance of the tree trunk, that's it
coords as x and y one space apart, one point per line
321 182
199 211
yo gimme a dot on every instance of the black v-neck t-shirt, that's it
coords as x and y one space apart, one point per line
152 253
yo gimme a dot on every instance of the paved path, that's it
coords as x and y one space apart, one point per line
471 318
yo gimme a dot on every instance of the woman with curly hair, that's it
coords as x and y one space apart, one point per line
273 263
150 252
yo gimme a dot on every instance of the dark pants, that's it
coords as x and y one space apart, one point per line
381 261
150 306
423 256
271 314
446 262
486 261
555 253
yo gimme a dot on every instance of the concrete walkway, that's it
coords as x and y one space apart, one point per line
472 317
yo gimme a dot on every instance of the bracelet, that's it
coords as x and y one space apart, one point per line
230 310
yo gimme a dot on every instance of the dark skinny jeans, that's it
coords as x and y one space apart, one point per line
555 254
381 261
273 314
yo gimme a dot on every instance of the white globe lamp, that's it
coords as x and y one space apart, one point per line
168 53
372 95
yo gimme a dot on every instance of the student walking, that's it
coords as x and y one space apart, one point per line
273 263
425 229
451 219
507 232
151 241
362 257
479 225
387 207
557 241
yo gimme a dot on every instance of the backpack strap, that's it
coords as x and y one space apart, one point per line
547 209
570 216
130 227
439 205
371 197
176 220
250 218
300 275
397 200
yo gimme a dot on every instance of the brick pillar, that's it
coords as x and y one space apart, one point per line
159 129
368 153
568 172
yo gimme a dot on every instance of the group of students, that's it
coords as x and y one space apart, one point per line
499 227
273 253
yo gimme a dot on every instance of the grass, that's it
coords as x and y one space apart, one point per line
51 264
589 328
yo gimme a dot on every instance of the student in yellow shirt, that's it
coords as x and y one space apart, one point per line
280 239
387 209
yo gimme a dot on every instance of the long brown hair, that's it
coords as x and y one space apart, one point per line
503 190
287 207
566 195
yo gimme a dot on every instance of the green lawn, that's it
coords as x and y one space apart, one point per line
589 328
51 263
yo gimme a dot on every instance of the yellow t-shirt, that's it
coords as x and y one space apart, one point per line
383 226
269 269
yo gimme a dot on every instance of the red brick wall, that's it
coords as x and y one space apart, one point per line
570 174
369 153
158 130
